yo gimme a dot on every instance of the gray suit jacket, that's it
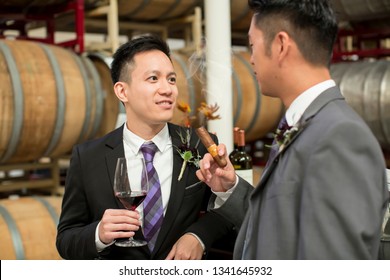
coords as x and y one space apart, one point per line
324 195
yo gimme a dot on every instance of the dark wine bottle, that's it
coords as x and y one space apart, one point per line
235 142
242 161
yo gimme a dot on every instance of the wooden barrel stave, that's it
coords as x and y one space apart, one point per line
372 93
70 117
384 102
102 63
7 104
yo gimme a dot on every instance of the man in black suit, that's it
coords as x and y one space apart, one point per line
92 217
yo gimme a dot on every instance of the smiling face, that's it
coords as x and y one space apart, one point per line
150 92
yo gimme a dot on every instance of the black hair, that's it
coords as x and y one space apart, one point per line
311 23
124 56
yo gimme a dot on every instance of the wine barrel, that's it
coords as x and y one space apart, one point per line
25 6
112 105
254 112
151 10
365 86
28 228
240 15
28 3
51 99
361 10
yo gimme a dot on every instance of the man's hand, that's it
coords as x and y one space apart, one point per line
217 178
118 223
186 248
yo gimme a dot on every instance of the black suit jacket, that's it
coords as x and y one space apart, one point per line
89 192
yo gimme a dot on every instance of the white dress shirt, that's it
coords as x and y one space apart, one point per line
300 104
162 161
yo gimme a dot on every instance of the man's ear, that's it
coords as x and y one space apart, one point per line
120 89
283 44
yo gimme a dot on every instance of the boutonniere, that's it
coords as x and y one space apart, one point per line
284 134
188 154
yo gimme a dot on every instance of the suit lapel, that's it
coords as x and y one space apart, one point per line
321 101
275 160
115 150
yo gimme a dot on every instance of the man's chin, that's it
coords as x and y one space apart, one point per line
167 118
164 120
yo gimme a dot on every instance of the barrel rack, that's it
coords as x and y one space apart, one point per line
362 43
43 176
22 22
105 19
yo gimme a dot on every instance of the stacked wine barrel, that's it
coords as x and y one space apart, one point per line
51 100
28 228
366 87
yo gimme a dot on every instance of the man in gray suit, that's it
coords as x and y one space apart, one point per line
323 195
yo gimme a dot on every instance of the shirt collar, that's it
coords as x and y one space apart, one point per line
300 104
161 139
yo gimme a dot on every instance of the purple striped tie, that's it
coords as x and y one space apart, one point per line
153 208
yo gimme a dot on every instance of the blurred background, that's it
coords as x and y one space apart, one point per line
56 90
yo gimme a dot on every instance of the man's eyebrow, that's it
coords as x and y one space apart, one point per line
158 72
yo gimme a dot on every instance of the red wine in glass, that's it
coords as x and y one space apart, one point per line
131 200
130 190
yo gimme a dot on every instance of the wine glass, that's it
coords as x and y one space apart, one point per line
131 191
